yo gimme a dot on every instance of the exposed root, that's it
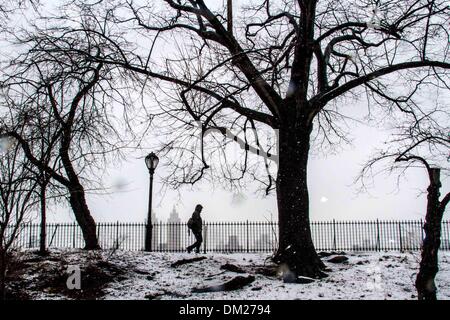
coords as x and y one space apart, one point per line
294 265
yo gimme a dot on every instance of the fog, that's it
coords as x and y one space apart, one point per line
333 191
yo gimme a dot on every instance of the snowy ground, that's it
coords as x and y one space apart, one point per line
138 275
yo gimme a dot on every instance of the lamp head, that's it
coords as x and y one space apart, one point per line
151 161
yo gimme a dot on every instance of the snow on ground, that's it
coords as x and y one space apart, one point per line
374 275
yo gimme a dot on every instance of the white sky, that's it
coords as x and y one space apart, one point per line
333 194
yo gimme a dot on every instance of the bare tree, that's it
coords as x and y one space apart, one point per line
422 140
429 265
66 104
17 199
292 66
43 139
44 180
435 208
47 189
10 8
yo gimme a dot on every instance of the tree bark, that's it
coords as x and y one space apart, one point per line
3 263
77 197
43 227
83 216
296 248
425 285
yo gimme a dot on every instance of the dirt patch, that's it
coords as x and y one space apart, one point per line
35 274
94 277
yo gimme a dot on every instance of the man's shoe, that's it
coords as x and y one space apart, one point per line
189 249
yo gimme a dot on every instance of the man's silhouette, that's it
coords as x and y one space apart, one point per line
195 224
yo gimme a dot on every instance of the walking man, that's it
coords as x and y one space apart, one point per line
195 224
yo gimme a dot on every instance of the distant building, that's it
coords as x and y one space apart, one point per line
233 244
174 231
155 232
218 238
265 242
412 240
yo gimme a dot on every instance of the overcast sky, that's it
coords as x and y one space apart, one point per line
333 194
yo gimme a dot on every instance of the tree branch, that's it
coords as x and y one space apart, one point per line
26 149
323 98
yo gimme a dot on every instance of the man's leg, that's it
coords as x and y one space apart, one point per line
197 235
198 244
192 246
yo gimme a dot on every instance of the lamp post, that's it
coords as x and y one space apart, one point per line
151 161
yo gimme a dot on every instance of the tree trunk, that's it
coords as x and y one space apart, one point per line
296 249
43 231
3 263
77 198
84 217
425 285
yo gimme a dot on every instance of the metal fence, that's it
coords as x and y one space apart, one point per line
246 236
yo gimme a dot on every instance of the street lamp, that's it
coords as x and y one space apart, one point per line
151 161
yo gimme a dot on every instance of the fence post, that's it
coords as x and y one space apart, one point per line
334 234
117 245
53 236
378 235
400 235
248 247
160 235
73 234
447 233
421 230
30 232
206 238
446 228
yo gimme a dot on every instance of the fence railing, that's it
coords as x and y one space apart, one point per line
246 236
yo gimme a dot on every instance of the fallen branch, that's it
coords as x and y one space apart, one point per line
186 261
234 284
232 268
